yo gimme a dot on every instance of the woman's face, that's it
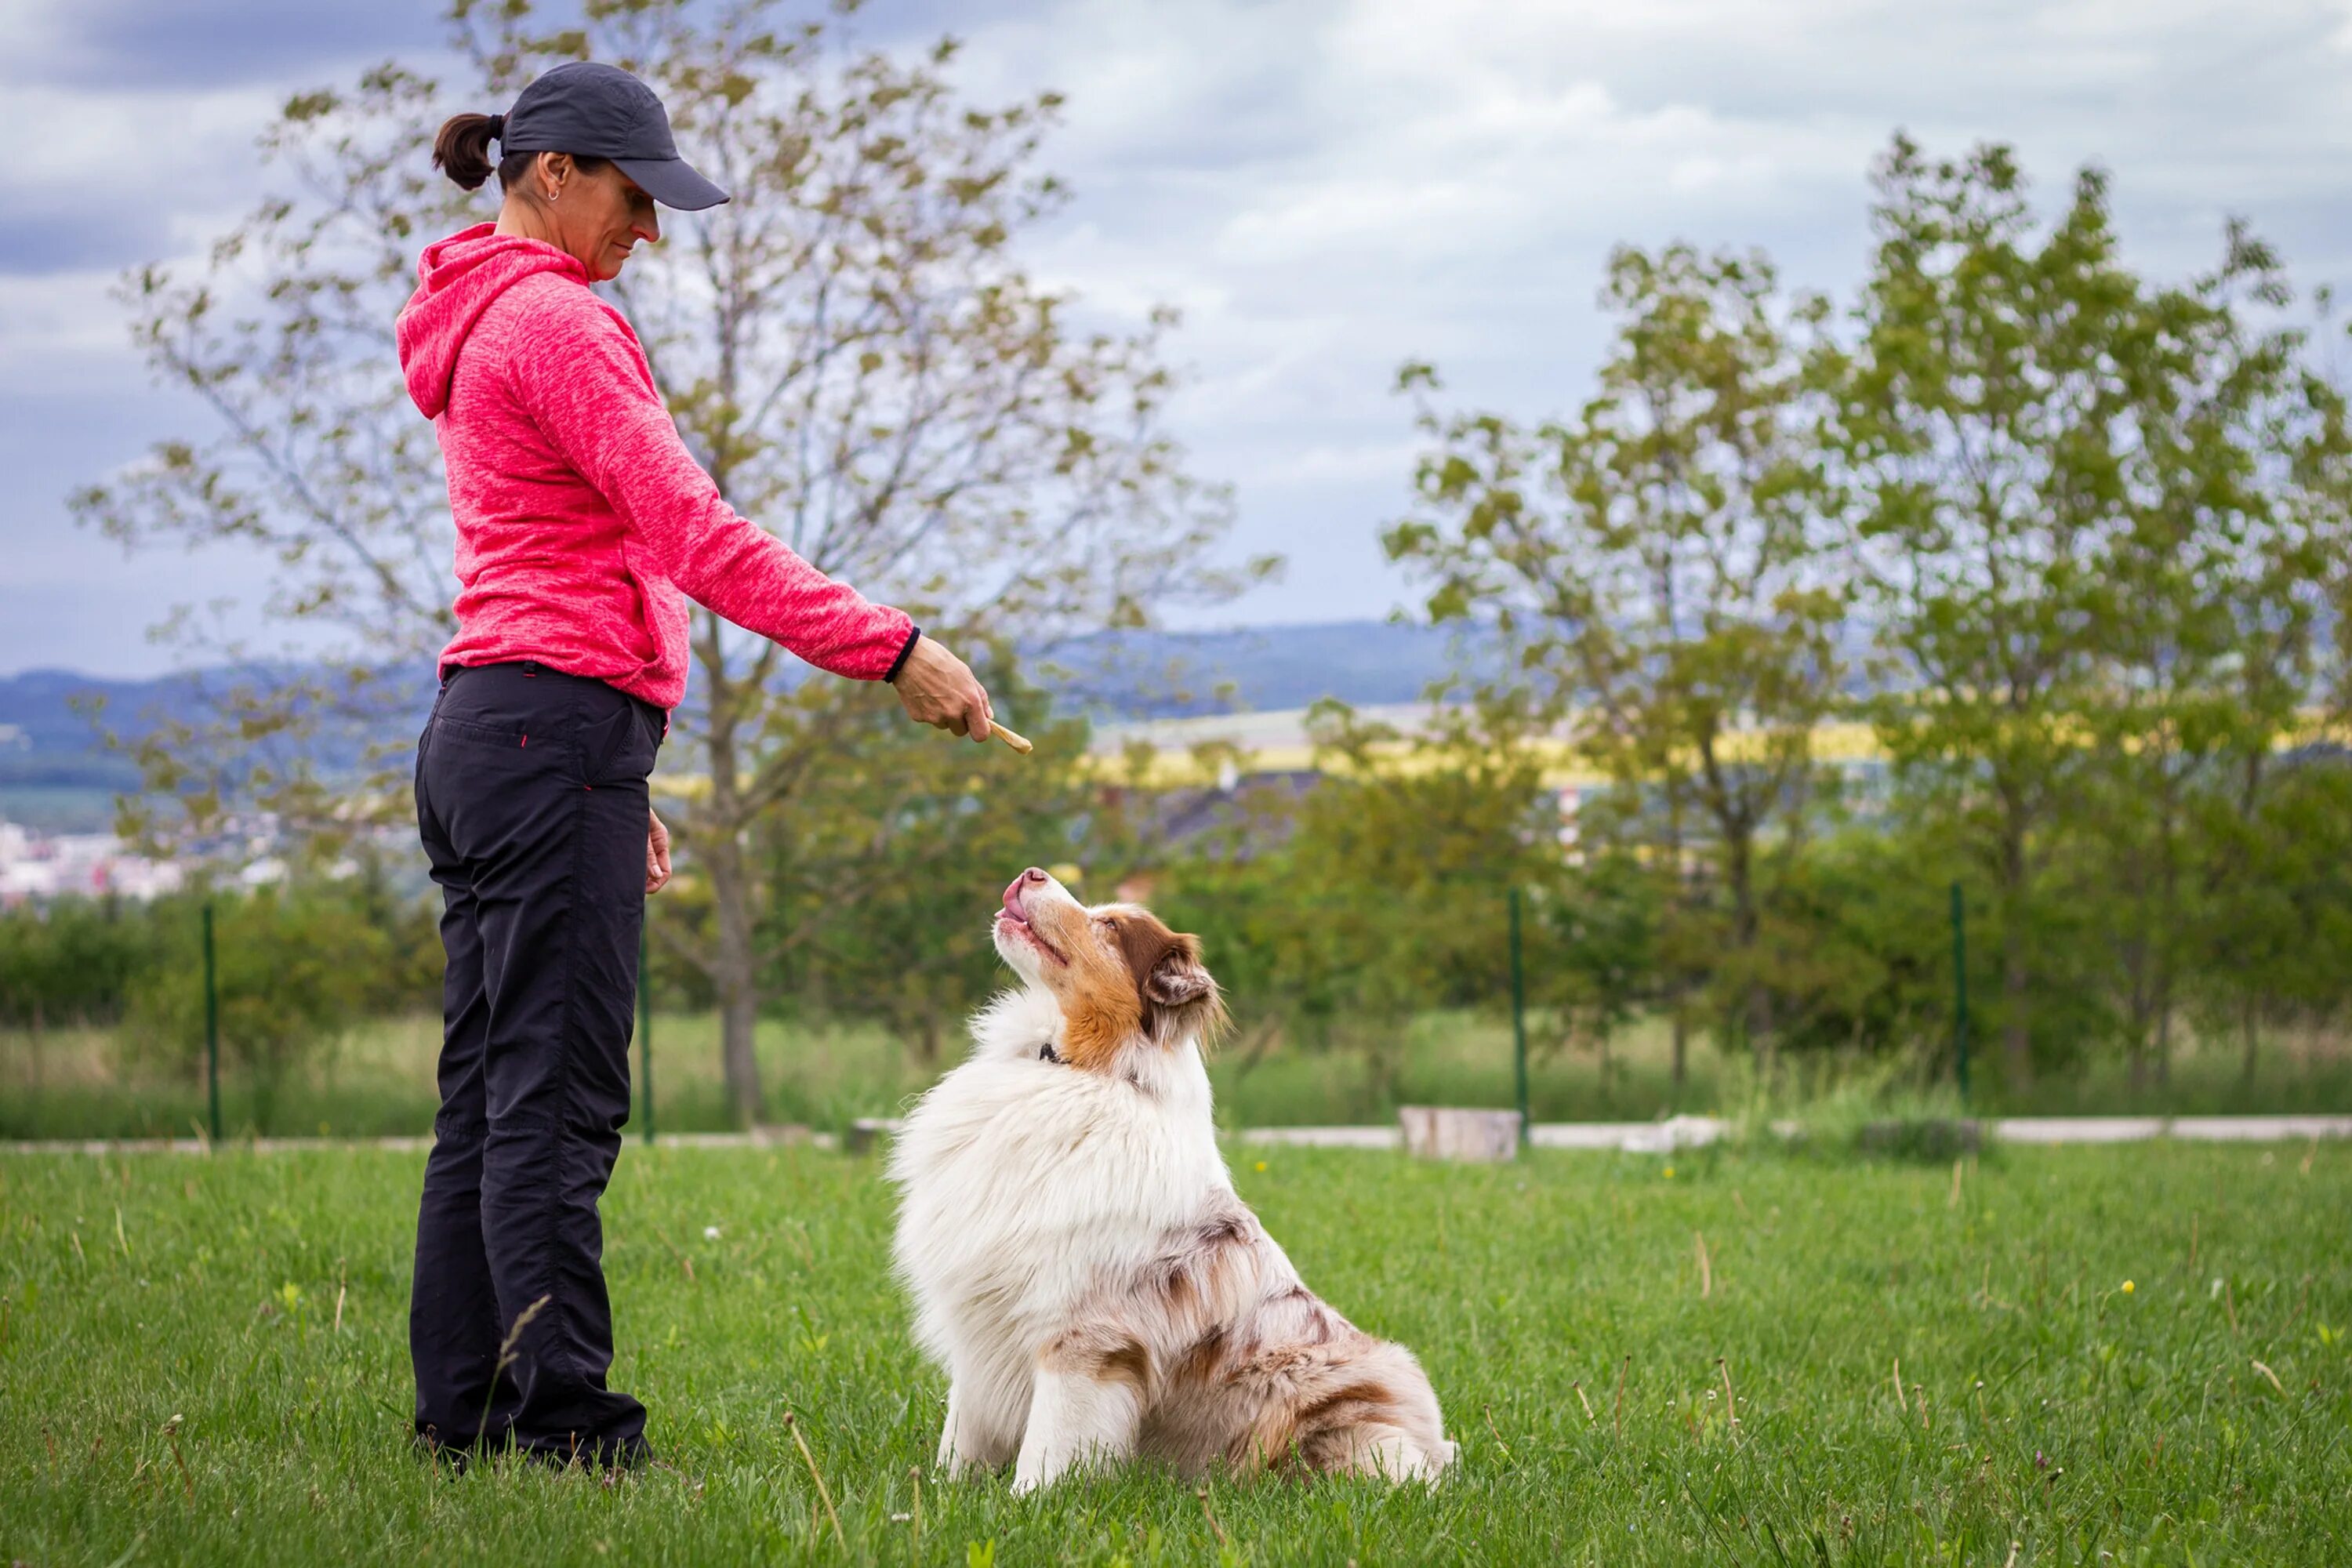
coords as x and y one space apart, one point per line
597 215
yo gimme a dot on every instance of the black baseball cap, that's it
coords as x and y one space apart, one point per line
591 109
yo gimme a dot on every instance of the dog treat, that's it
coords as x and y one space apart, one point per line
1013 737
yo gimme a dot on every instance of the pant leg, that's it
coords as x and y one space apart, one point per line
539 783
453 1310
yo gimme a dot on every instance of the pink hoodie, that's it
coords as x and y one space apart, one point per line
584 524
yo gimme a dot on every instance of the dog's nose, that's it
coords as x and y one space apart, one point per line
1035 874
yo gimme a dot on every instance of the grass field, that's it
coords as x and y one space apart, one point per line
78 1083
2075 1356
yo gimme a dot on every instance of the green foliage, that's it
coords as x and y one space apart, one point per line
71 962
1658 561
297 966
2096 521
293 974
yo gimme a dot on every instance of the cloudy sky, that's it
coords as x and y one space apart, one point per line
1324 188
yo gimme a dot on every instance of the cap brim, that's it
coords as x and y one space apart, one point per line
672 182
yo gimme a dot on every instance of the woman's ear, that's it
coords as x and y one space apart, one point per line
553 169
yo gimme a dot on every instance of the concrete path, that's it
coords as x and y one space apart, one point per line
1629 1137
1690 1131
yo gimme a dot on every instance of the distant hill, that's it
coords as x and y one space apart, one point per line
55 772
1167 675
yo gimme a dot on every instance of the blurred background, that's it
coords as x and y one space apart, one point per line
1822 531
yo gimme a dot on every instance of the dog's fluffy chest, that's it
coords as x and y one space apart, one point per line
1030 1183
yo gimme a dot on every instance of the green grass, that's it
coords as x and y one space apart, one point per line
76 1083
2043 1403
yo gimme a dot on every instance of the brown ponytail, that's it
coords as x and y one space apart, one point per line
462 152
462 149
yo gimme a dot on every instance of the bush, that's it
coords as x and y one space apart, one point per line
72 962
295 971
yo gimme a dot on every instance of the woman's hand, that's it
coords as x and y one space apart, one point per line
937 688
656 853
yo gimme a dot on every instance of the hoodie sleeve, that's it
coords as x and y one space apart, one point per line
584 381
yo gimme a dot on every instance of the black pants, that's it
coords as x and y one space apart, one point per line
531 800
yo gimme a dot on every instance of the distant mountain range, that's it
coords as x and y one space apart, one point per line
1169 675
55 772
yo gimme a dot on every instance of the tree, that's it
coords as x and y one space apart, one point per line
849 346
2270 948
1977 429
2077 525
1657 563
2219 627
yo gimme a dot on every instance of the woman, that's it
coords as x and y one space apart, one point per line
584 526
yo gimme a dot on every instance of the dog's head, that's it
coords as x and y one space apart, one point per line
1120 977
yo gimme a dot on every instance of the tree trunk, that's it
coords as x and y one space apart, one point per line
717 842
733 971
2016 972
1754 1016
2016 1043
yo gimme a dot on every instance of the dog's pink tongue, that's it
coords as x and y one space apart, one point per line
1013 898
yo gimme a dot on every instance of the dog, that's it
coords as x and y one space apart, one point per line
1079 1262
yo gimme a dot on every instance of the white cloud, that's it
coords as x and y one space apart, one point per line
1330 189
1327 188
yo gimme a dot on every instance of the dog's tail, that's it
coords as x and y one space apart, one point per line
1398 1455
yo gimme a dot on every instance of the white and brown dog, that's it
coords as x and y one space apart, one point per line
1081 1263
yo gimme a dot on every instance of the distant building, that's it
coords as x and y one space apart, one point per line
35 867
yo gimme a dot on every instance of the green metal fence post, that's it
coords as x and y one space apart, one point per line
645 1024
1518 1017
212 1027
1960 989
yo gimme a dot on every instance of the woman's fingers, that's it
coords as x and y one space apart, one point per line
656 853
939 689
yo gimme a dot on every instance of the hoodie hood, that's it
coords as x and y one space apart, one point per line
456 279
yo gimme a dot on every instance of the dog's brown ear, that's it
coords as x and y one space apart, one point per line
1180 996
1179 976
1176 987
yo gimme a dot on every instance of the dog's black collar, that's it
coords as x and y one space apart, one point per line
1047 1053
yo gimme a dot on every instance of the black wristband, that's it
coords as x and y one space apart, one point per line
914 635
